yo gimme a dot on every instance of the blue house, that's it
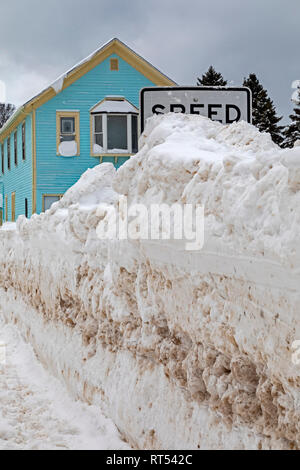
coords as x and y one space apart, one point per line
88 116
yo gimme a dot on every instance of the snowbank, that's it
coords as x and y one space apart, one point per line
181 349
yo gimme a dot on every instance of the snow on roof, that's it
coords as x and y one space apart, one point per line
113 105
58 84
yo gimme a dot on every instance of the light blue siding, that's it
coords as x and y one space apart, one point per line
55 174
19 178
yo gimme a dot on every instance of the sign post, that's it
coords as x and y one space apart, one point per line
226 105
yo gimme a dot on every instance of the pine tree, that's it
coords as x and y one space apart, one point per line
6 110
263 110
211 78
292 131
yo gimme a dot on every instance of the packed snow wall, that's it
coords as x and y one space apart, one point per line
181 349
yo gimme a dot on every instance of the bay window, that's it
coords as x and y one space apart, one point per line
114 127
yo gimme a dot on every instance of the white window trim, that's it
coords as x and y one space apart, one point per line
107 152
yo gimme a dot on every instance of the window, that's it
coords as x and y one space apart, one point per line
26 208
8 153
67 129
114 65
98 131
67 133
49 199
16 147
117 132
13 207
2 158
24 141
134 131
114 127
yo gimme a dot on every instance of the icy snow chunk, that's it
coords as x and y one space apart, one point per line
98 149
68 149
58 84
9 226
93 187
291 157
117 151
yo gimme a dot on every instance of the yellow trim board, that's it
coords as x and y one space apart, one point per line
6 208
74 114
115 46
91 135
13 207
33 163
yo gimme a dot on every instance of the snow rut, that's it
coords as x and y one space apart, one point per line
35 411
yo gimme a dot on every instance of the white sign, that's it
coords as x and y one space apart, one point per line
226 105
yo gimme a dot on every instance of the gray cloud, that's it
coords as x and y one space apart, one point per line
40 40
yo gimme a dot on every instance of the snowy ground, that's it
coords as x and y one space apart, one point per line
36 413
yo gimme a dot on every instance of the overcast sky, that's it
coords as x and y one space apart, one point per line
41 39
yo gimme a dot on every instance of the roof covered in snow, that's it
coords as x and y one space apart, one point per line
114 105
114 46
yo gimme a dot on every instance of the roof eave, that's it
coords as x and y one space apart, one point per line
114 46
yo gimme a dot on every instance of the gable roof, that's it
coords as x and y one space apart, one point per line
114 46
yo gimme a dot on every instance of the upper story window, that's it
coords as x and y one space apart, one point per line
67 133
16 147
24 141
114 127
8 153
2 158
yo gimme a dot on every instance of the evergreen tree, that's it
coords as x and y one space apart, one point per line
211 78
292 131
6 110
263 110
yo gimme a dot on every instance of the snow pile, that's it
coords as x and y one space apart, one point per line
181 349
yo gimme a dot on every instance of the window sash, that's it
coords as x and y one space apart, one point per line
66 136
8 153
104 133
116 132
96 130
2 158
23 142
